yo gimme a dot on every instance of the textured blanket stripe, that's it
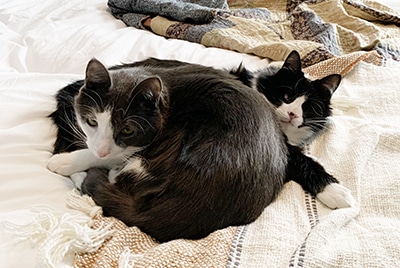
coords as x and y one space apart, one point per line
297 259
236 248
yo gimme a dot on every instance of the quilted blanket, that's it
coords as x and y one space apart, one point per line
318 29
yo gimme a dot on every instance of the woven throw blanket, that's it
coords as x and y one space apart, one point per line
318 29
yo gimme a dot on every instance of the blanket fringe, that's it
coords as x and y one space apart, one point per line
128 259
56 235
83 203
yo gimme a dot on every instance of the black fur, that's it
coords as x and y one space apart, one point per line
69 137
284 85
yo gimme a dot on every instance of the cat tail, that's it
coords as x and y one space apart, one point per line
131 200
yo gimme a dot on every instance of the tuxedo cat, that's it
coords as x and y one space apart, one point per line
302 105
191 149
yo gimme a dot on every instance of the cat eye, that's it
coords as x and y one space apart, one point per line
288 99
127 130
91 122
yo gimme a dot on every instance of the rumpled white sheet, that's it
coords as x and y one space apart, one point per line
45 45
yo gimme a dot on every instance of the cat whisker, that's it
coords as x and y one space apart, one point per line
142 118
74 134
94 101
77 143
137 123
130 103
316 126
77 132
317 108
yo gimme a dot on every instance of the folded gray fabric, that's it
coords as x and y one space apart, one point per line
196 11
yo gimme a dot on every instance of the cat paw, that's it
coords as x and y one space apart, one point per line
78 179
61 164
336 196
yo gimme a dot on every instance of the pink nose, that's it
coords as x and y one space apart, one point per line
102 154
292 116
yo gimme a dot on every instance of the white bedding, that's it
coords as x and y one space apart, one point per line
45 45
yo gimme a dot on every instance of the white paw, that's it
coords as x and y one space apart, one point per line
61 164
336 196
78 178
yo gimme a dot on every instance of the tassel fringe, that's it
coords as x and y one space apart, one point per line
57 235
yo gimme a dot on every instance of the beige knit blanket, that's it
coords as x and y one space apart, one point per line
362 149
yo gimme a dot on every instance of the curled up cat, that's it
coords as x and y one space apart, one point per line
178 152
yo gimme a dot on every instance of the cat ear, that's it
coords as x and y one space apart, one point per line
293 62
97 76
150 88
330 82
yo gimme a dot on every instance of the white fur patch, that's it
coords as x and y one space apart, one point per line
78 179
290 126
100 139
135 164
336 196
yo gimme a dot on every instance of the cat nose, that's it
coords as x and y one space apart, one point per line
103 154
292 116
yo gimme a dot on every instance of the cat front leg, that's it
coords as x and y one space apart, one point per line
69 163
335 195
314 179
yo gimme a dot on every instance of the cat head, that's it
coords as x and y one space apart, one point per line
119 111
302 105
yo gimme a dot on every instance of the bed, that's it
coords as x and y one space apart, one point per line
46 223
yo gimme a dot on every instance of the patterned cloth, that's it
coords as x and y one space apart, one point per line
318 29
133 12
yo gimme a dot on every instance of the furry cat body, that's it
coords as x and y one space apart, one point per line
302 105
309 100
194 172
197 150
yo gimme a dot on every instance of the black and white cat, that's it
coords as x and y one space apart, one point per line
303 108
302 105
198 149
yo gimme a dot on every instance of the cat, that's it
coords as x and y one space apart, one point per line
302 105
178 152
303 108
